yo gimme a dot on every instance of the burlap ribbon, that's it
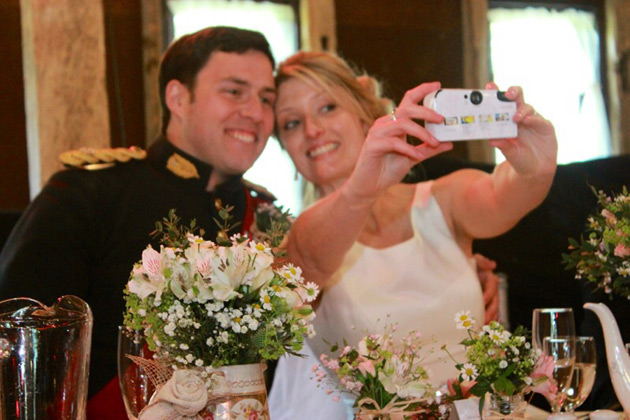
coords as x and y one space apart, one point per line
393 407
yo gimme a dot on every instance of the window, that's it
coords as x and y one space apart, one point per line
274 169
554 55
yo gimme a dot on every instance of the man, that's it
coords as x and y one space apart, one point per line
85 230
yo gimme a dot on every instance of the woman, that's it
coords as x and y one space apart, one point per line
379 247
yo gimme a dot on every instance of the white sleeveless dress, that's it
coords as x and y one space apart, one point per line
420 283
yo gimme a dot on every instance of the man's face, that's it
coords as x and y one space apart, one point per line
229 116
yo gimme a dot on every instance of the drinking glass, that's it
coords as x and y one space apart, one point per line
583 373
135 385
551 322
562 349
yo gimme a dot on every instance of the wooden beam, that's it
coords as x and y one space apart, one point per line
65 81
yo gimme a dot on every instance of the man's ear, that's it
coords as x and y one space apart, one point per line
177 96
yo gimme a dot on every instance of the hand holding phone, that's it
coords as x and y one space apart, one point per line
471 114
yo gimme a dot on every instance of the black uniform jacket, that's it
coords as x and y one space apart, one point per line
85 230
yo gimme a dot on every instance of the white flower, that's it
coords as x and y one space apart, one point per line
291 297
463 320
469 372
147 277
265 299
292 273
503 364
223 337
496 335
169 329
395 379
308 292
260 248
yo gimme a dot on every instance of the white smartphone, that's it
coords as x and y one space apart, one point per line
471 114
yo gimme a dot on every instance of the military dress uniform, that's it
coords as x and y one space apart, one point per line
85 230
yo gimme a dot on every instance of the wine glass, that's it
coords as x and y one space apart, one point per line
135 385
551 322
562 349
583 373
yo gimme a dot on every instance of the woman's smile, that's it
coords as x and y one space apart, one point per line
320 150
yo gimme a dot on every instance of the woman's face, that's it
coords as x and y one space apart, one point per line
323 136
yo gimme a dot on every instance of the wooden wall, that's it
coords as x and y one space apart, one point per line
404 43
14 170
124 90
123 43
411 43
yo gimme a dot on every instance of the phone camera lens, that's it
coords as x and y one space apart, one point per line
476 97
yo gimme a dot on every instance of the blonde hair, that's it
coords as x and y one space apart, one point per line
332 74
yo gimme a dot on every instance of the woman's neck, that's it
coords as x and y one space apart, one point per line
389 222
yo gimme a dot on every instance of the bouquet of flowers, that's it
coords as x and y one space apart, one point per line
500 363
203 305
603 258
384 375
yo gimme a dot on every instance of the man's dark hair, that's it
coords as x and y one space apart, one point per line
189 54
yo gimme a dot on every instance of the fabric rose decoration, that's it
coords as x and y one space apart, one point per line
183 395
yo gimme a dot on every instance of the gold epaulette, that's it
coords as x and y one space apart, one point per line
259 190
92 159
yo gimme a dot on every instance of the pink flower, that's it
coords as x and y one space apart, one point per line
542 377
465 386
367 366
610 217
622 251
345 351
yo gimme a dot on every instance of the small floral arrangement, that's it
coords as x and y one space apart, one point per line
499 362
386 376
603 258
205 305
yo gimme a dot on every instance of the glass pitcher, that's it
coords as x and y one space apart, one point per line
44 358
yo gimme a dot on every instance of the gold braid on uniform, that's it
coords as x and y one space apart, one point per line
88 158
